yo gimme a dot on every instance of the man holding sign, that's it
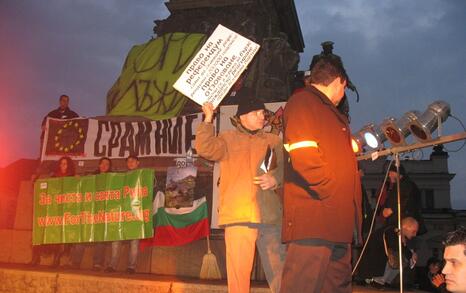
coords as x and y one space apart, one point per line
249 209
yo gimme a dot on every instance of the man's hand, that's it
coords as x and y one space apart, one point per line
438 280
387 212
265 181
413 260
208 110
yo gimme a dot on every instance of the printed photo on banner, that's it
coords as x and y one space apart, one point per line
216 66
179 190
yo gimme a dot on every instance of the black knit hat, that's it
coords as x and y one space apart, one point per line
248 102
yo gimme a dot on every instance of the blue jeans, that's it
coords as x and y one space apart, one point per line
99 254
388 276
77 253
132 253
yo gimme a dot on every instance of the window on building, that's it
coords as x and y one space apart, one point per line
429 202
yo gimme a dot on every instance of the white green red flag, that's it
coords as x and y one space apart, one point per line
177 226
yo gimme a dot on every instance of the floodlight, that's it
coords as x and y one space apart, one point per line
397 130
373 136
424 125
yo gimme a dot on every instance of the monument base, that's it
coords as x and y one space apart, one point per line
23 278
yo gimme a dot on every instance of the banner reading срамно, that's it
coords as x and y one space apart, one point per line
104 207
91 139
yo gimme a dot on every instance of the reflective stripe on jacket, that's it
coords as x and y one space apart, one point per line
322 190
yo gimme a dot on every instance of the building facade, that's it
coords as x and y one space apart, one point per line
433 180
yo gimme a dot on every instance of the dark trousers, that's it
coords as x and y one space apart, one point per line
58 250
314 266
77 253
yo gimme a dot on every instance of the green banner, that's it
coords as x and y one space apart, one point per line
145 86
104 207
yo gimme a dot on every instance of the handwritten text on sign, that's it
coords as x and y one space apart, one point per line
216 67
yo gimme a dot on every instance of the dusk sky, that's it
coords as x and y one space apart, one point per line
402 55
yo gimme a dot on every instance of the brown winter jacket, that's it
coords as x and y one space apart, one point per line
240 155
322 190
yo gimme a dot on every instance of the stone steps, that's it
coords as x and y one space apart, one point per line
42 279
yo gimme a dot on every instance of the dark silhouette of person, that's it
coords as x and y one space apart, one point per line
327 52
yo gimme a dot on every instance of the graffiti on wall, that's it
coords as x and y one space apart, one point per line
144 87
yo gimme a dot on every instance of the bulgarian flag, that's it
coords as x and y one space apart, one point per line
177 226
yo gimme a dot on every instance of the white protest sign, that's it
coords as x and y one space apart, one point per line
216 67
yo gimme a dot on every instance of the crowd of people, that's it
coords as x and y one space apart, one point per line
304 211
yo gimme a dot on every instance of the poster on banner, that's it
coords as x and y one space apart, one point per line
216 66
273 124
95 208
179 189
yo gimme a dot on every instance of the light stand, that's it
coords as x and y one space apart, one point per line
418 145
396 151
398 196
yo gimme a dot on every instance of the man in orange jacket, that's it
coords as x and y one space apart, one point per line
322 196
249 209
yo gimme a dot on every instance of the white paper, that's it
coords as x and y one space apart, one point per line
216 67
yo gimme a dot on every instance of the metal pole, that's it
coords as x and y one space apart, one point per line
398 193
395 151
418 145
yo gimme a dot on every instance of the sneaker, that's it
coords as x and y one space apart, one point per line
406 287
109 270
130 271
377 285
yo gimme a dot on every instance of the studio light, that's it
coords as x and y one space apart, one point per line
420 125
373 136
397 130
424 125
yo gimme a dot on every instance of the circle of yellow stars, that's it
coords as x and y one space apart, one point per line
70 147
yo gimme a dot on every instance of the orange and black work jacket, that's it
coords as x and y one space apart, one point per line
322 196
